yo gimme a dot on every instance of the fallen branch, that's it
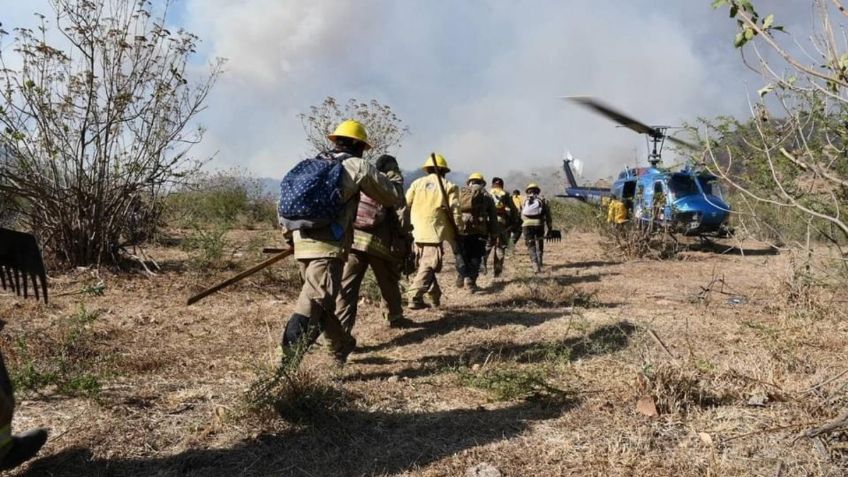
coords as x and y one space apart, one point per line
837 424
660 342
813 388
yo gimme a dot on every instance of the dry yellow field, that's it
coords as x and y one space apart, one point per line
687 367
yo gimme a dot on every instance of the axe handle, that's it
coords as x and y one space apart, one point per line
273 250
250 271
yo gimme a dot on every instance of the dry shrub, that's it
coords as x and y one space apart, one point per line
630 242
297 395
293 392
680 389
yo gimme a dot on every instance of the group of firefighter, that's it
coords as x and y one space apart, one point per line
391 232
382 230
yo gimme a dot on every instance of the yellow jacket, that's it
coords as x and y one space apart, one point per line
617 212
517 200
358 175
430 223
509 217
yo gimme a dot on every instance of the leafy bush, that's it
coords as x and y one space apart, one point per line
231 197
572 215
207 245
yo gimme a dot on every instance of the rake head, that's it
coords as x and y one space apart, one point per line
553 236
21 264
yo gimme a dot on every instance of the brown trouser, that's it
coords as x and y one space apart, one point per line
497 247
317 301
7 408
429 264
534 237
387 274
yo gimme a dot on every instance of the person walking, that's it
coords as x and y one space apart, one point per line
517 201
433 205
535 216
478 227
379 242
508 219
318 203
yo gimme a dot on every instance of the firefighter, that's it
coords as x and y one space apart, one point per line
321 250
433 205
479 226
517 200
535 217
379 241
508 220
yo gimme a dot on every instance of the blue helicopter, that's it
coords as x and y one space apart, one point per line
688 201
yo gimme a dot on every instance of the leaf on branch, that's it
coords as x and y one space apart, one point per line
768 22
765 90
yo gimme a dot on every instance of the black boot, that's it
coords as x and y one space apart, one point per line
24 446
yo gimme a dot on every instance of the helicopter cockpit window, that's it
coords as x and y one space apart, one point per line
682 185
629 189
711 186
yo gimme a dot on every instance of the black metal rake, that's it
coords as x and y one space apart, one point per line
21 264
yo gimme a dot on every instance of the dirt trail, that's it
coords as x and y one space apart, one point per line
535 375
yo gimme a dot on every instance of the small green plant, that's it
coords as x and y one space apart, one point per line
370 290
67 361
207 246
507 383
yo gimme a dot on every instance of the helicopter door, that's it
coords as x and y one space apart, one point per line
660 203
640 202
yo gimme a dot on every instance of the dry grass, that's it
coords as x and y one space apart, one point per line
534 375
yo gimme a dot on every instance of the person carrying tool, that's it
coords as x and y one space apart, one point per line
535 216
433 204
517 201
379 241
318 203
14 449
478 227
508 220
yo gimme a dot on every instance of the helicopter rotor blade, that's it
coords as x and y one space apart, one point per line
617 116
681 142
625 120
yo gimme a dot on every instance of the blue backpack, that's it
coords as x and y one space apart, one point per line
310 194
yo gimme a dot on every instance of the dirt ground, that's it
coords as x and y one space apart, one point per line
597 367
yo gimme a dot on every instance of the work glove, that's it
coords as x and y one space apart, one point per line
395 177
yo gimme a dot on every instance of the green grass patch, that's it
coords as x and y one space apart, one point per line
507 383
66 362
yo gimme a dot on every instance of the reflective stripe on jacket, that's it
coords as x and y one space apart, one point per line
544 219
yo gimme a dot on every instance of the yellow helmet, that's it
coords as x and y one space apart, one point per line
351 129
436 160
532 185
476 177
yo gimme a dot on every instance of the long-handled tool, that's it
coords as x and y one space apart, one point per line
250 271
20 263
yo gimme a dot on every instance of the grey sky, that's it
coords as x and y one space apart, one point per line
476 80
